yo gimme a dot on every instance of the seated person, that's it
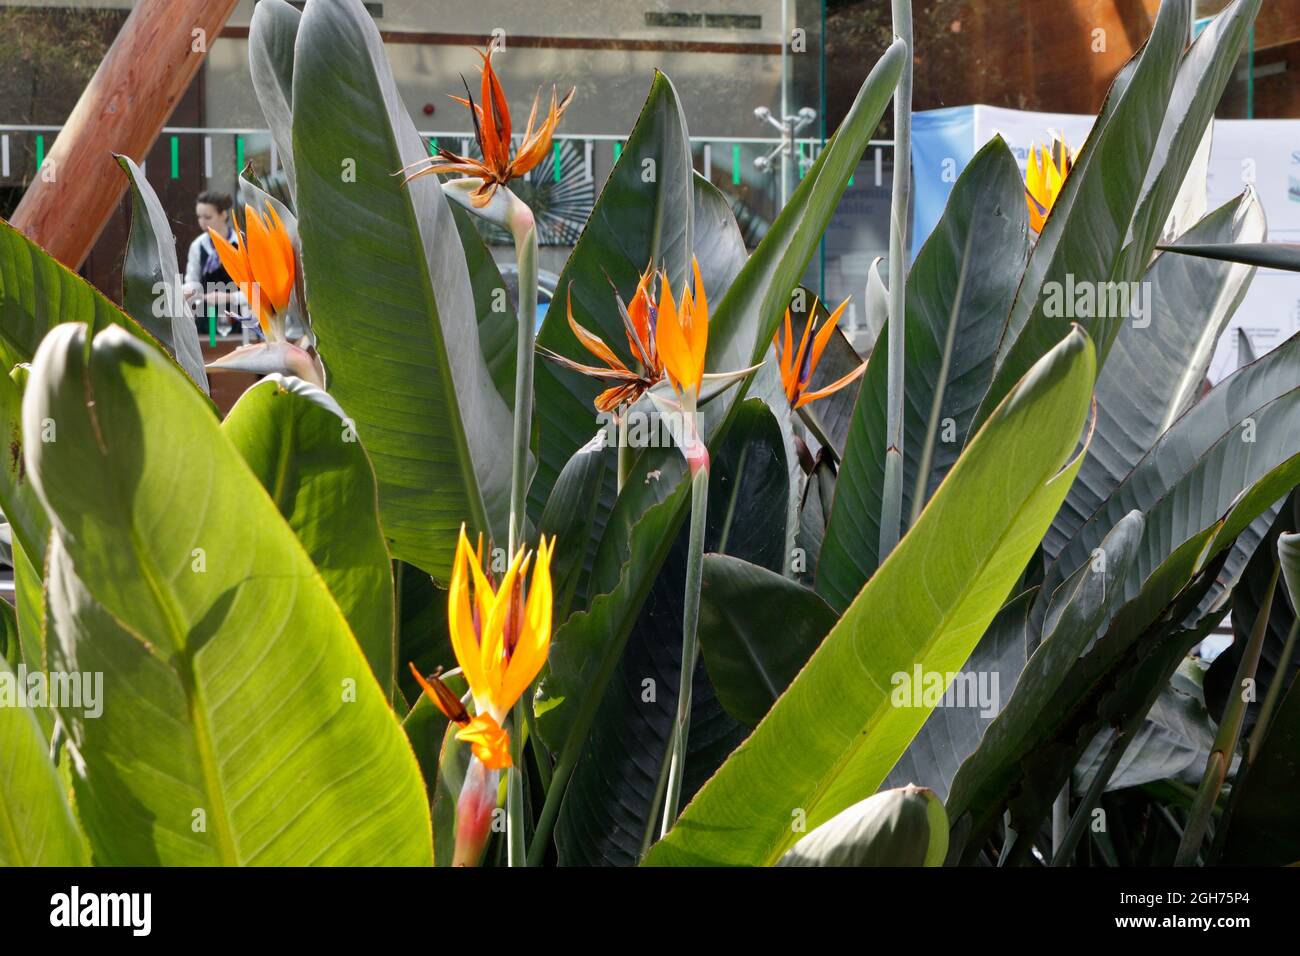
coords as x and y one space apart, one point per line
208 287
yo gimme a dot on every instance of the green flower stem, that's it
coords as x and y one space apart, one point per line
624 451
1225 742
525 235
515 791
891 508
524 231
539 749
690 645
551 807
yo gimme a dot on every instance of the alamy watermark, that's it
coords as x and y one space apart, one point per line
61 690
646 429
968 689
1098 300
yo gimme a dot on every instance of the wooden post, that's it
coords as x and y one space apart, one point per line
122 110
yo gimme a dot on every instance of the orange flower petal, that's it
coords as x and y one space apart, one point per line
488 740
835 386
591 342
460 620
824 336
671 344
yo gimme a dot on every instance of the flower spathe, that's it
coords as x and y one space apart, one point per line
500 637
1045 176
492 131
798 365
262 265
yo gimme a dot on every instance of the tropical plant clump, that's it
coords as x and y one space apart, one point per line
703 586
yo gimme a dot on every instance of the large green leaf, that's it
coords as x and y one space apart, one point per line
645 214
37 292
271 35
750 663
389 295
1244 429
1187 538
303 450
836 732
1154 372
151 278
37 827
1120 193
244 724
653 506
586 648
958 293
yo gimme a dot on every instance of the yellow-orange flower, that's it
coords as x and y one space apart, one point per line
500 639
682 333
1045 178
492 130
262 266
638 324
797 365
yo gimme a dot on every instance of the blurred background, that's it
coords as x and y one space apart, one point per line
759 108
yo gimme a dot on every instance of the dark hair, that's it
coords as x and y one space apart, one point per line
220 200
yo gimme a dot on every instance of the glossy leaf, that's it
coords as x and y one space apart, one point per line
305 453
1125 183
607 805
151 277
272 32
1246 428
37 292
750 661
951 345
390 299
835 733
239 697
1156 367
